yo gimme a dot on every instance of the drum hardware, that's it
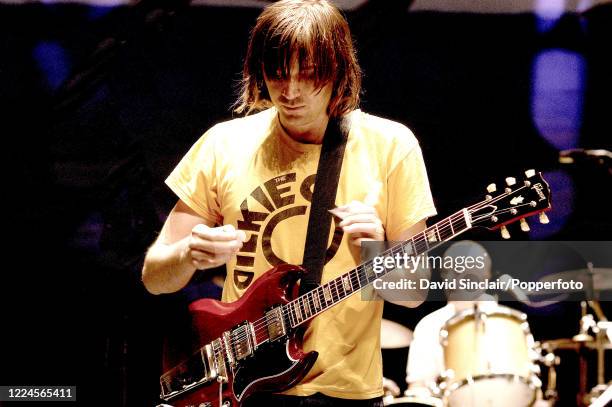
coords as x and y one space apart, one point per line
592 335
551 361
594 279
602 341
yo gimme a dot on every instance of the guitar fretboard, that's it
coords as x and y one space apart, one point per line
329 294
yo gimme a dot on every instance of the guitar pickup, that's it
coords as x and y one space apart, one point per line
242 339
275 323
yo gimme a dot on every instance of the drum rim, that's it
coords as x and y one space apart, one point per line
529 381
498 310
411 399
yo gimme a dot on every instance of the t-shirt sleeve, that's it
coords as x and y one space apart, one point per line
409 196
194 179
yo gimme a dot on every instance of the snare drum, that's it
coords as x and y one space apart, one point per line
489 358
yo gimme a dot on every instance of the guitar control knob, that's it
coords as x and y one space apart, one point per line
530 173
491 188
504 232
510 181
524 225
543 218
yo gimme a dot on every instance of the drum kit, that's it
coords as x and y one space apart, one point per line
492 359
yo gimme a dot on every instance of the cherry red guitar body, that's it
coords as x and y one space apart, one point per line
274 365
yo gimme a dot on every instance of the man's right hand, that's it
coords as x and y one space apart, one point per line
212 247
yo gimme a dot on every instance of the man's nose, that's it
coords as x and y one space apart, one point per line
291 88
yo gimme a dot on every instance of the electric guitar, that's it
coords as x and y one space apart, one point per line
255 344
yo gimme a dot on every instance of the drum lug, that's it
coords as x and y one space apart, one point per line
444 337
447 375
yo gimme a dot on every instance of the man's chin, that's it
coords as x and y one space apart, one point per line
293 119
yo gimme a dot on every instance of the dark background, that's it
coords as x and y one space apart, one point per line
99 104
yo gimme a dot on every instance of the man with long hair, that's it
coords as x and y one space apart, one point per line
245 190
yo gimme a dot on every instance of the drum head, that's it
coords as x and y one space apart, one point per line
413 401
501 391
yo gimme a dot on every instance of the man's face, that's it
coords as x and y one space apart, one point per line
299 103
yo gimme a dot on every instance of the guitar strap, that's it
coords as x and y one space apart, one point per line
323 199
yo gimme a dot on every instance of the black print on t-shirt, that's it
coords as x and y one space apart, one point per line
279 202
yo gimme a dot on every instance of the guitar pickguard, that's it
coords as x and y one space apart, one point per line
271 360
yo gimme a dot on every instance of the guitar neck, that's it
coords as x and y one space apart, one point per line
320 299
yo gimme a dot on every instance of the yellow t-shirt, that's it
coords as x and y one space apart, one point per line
249 173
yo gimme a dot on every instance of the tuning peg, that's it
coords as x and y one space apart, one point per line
524 225
510 181
543 218
491 188
504 232
530 173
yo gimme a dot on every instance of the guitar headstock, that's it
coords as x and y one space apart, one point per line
518 199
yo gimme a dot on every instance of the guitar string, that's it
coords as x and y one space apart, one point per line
259 324
306 303
355 280
354 277
421 237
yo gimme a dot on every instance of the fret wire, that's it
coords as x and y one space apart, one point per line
315 299
342 286
338 295
328 291
334 298
363 280
322 298
338 282
331 292
307 305
297 310
291 321
293 309
310 304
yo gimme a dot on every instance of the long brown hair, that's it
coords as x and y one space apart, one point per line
318 34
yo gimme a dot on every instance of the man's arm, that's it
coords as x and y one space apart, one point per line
186 243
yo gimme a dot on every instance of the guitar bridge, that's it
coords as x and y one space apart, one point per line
199 369
275 323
